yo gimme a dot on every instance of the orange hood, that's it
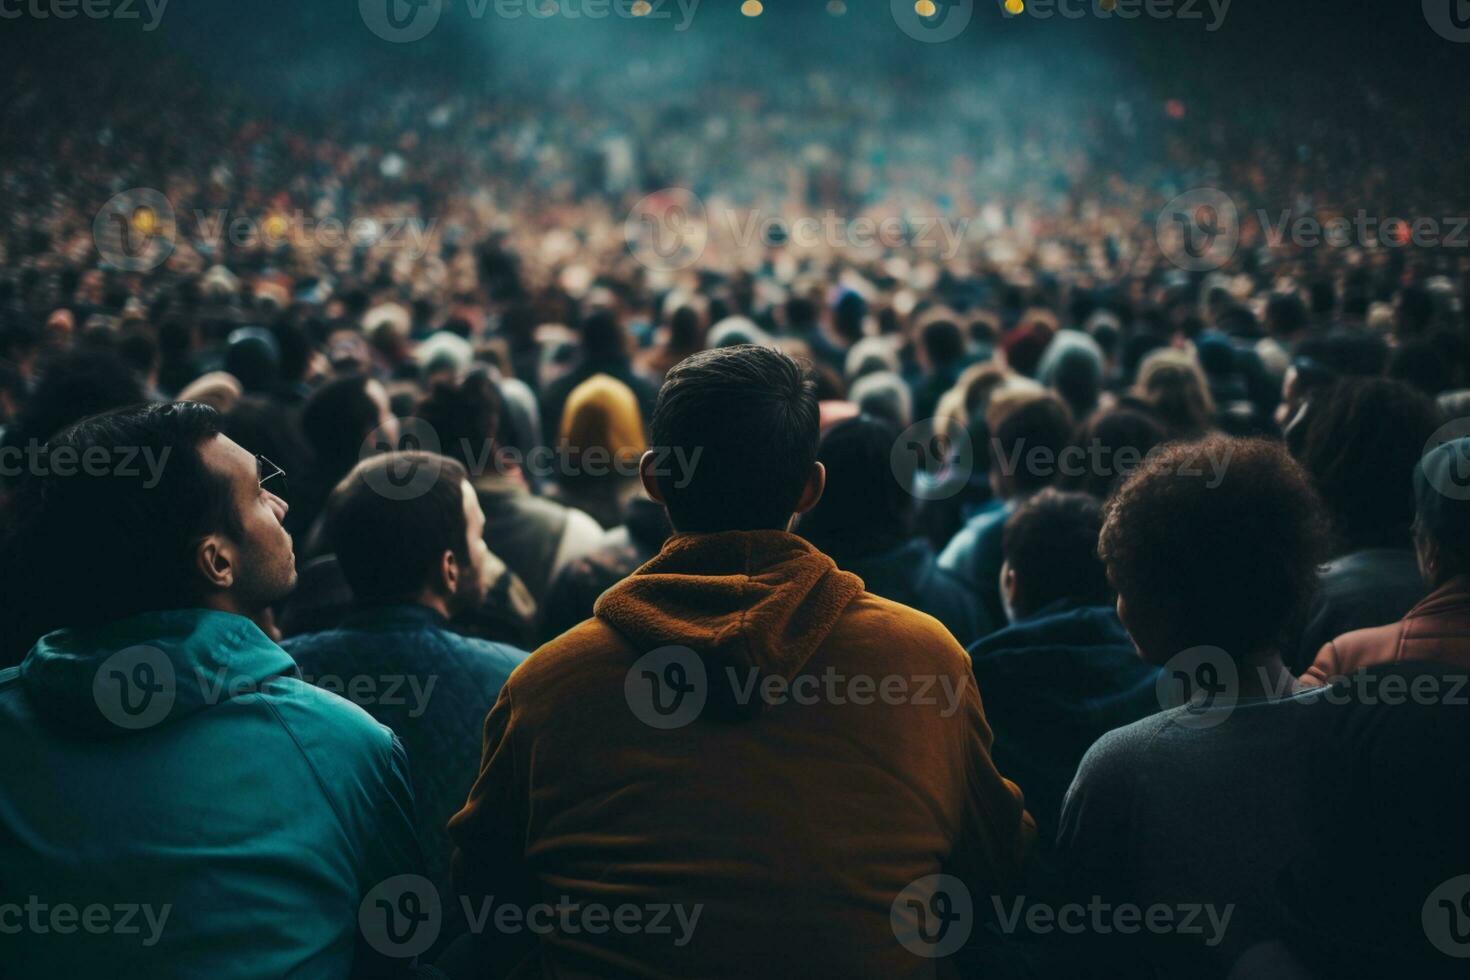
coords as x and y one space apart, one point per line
742 600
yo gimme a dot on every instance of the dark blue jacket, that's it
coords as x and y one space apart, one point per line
1053 683
976 554
431 686
910 574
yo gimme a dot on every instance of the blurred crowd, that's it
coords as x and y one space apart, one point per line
391 304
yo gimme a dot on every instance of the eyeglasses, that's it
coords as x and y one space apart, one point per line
268 471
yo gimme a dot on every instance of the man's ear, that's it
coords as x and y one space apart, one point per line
816 484
449 573
215 560
647 472
1008 584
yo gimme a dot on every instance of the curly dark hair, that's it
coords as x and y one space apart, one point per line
1215 543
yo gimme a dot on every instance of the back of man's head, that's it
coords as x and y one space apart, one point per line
744 420
105 522
1028 430
1051 547
390 544
464 418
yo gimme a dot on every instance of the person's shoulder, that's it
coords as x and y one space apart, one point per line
501 656
1350 652
903 629
583 653
326 726
306 645
1116 754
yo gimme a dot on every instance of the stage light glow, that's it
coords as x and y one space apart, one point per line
1015 7
752 8
925 8
145 222
836 8
642 8
1108 6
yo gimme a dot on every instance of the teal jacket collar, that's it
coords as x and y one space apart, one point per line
151 669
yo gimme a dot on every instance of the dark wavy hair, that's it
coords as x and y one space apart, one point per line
1362 439
1228 564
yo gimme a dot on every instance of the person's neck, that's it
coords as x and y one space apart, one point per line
433 600
1265 674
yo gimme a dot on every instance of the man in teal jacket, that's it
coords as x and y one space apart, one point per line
176 801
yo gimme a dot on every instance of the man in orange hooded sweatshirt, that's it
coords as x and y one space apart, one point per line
744 764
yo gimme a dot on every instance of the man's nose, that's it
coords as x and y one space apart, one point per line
280 507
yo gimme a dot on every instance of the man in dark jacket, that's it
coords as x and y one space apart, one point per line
407 531
865 523
1065 672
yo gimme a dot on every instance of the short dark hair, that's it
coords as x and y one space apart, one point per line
113 527
1113 429
751 412
336 419
867 507
1228 565
1051 545
465 417
389 546
1020 425
943 341
1362 440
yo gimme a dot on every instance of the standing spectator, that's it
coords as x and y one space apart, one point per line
204 779
716 812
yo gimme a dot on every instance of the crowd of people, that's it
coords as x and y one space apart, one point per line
739 608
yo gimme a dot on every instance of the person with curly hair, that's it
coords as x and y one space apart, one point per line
1202 803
